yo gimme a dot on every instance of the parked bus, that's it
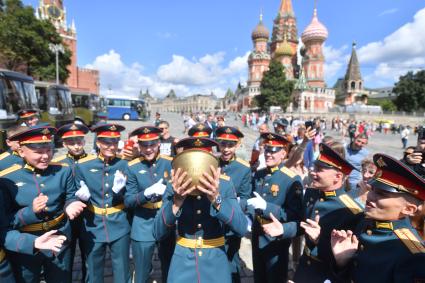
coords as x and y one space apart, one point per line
126 108
88 107
55 104
17 92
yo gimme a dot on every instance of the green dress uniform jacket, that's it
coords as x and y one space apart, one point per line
141 174
102 226
337 210
282 190
23 184
239 172
9 158
198 221
388 252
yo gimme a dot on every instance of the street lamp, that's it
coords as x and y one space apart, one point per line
56 48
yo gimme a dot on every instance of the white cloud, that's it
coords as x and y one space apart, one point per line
335 62
388 12
208 74
396 54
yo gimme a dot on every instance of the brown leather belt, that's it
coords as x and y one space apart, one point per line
262 220
43 226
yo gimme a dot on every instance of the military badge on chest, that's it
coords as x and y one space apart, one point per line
274 189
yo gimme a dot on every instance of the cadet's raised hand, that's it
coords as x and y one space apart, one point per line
49 241
39 203
344 244
210 183
181 187
83 192
273 229
309 134
74 209
312 228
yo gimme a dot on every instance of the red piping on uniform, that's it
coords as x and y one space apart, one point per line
17 243
20 216
103 204
196 263
163 219
231 216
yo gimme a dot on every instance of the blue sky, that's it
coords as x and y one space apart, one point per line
202 46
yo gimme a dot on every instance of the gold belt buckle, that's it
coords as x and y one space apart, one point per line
45 226
104 211
199 243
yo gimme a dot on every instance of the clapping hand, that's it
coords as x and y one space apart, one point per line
312 228
257 202
83 192
344 244
119 181
39 203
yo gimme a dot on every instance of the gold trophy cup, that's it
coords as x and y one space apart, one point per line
195 162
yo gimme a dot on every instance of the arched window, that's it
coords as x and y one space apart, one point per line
353 85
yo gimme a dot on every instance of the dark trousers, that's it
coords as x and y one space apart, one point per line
142 256
311 270
77 226
232 246
95 257
270 262
56 269
6 274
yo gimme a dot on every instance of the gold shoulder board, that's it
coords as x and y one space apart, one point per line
224 177
4 155
59 164
288 172
350 204
243 162
59 158
10 170
135 161
87 158
411 241
166 157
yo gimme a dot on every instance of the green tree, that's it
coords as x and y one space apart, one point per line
229 94
411 91
24 43
386 104
275 89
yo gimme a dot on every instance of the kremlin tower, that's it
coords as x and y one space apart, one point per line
79 80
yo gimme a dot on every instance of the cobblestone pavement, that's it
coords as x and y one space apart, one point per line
389 144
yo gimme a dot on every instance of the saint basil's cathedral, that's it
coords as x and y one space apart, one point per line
311 93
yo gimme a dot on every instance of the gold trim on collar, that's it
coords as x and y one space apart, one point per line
384 225
29 167
330 194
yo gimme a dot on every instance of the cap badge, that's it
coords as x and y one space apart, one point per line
45 132
198 143
381 162
146 130
74 127
201 126
228 131
270 137
113 128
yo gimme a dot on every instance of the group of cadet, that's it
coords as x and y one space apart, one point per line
134 198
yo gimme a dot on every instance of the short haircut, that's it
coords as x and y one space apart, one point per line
164 122
367 163
16 130
362 136
338 148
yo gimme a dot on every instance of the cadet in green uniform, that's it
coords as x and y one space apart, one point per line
387 248
327 207
239 171
200 130
28 117
11 156
201 222
101 183
146 178
72 136
278 191
41 199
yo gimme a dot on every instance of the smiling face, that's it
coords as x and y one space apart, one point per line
273 159
75 146
386 206
149 152
37 157
326 179
228 150
108 149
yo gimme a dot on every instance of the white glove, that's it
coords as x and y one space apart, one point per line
83 192
119 182
257 202
157 189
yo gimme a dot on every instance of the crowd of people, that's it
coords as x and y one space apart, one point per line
344 213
